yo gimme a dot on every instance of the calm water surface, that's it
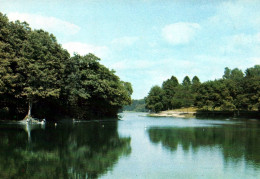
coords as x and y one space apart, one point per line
134 147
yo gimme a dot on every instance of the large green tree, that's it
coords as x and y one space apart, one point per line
41 67
35 69
12 38
169 88
183 96
235 91
92 86
154 99
252 87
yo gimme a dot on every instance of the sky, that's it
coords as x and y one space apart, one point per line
148 41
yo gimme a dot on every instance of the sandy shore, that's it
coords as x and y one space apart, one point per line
178 114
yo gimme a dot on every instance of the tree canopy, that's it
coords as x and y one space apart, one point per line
233 92
36 71
154 99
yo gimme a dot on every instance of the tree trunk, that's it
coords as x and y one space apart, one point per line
30 109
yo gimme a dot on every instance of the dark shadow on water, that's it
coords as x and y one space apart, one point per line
200 114
234 141
66 150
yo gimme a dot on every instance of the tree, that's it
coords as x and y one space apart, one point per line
195 85
92 86
35 69
42 67
128 88
186 81
227 73
183 97
252 87
235 91
253 72
168 87
12 38
195 80
236 74
154 99
137 105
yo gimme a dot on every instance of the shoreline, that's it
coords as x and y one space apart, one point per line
181 113
177 114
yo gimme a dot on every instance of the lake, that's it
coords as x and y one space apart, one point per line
134 147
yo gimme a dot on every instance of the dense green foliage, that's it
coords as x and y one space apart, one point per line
138 105
154 101
235 91
36 71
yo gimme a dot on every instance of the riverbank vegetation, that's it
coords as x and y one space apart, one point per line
138 105
40 78
235 91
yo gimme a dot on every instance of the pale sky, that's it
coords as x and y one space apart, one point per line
148 41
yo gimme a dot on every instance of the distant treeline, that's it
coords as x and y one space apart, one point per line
38 77
235 91
138 105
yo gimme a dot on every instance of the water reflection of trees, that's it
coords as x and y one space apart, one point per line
234 141
80 151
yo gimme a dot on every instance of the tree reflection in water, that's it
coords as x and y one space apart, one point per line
83 150
235 142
